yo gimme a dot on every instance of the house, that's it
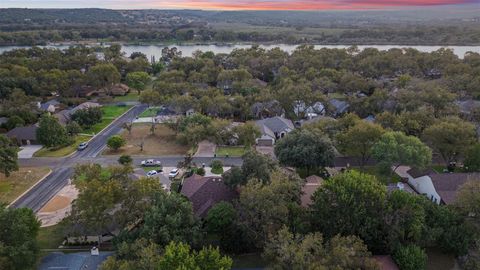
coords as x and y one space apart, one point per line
24 135
205 192
266 109
302 110
272 129
339 107
83 90
312 183
50 106
65 116
118 89
440 188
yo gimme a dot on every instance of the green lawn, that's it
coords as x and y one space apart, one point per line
64 151
150 112
50 237
113 111
232 151
132 96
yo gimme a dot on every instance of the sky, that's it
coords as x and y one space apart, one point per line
233 4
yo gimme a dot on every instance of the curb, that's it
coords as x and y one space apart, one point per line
34 185
95 135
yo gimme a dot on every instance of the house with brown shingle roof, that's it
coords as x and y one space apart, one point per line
206 191
440 188
312 183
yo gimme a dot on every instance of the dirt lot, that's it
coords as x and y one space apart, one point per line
162 143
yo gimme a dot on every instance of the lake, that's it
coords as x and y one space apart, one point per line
187 50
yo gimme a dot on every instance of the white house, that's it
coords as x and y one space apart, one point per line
302 110
439 187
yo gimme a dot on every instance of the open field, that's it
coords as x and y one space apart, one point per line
64 151
19 182
232 151
162 143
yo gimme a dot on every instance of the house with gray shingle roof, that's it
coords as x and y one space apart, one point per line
273 129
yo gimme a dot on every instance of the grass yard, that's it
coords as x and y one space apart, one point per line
150 112
232 151
64 151
110 113
132 96
162 143
50 237
19 182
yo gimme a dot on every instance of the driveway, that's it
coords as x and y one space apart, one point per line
266 150
27 151
206 149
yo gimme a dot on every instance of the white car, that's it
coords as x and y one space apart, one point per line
173 173
151 163
152 173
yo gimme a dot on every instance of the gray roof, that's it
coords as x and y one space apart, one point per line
3 120
340 105
44 106
73 261
24 133
401 186
276 124
467 106
84 105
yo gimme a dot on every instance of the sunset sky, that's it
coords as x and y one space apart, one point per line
232 4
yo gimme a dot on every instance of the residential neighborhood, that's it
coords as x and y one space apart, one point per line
255 158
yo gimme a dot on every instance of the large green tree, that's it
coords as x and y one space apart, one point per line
137 80
103 75
451 137
50 133
305 149
180 256
354 204
396 148
18 234
8 156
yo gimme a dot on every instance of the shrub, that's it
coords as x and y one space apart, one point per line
410 257
115 142
217 166
125 159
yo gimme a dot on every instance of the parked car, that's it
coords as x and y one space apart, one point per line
82 146
151 163
152 173
173 173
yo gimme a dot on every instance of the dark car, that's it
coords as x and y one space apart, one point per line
82 146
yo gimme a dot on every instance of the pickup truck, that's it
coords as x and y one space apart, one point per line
151 163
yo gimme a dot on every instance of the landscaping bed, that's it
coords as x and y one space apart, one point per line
162 143
19 182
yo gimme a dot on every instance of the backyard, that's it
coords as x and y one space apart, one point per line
162 143
19 182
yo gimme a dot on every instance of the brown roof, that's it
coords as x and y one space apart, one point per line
24 133
447 184
386 262
312 183
118 89
205 192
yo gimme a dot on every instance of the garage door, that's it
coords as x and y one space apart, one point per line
265 142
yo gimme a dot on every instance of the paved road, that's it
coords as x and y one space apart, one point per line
62 168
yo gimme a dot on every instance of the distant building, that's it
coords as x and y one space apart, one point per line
273 129
24 135
302 110
50 106
65 116
266 109
205 192
340 107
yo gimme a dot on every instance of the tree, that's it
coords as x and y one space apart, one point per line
125 160
472 159
115 142
353 203
103 75
288 251
247 133
257 166
305 149
359 139
141 254
88 117
18 234
50 133
468 201
170 218
264 209
180 256
396 148
410 257
220 217
451 138
150 97
14 121
234 177
73 128
8 156
137 80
